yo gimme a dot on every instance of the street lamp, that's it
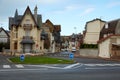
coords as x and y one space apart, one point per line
75 29
73 42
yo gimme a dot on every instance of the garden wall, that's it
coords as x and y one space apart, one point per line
89 52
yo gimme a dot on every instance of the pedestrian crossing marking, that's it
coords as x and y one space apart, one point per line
6 66
10 66
19 66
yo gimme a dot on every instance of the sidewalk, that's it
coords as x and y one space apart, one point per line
4 59
77 55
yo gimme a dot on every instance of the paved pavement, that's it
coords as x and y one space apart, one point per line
4 59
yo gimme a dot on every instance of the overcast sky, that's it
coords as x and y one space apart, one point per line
72 15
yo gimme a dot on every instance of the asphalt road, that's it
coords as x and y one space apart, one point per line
81 73
85 69
4 59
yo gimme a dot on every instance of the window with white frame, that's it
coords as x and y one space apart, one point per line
27 21
105 35
106 25
27 32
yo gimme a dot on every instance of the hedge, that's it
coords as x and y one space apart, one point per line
4 45
89 46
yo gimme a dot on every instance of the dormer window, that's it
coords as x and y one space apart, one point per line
106 25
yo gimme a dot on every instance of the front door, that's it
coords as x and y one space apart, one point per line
27 48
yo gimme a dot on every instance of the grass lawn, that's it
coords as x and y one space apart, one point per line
40 60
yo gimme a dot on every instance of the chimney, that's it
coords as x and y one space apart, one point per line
35 13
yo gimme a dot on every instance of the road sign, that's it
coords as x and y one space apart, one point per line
71 55
22 57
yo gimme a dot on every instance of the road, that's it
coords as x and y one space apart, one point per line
86 69
78 72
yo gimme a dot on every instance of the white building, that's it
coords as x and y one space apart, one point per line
109 47
109 43
92 31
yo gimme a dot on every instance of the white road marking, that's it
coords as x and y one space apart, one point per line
89 64
6 66
70 66
44 66
5 70
92 65
67 67
94 68
117 64
19 66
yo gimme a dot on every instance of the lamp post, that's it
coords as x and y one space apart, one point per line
75 29
73 43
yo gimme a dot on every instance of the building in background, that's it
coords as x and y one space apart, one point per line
92 31
109 43
65 43
110 28
72 42
4 36
52 41
4 39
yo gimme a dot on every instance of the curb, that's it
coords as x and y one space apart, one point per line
9 60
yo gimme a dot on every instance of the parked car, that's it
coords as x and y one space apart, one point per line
73 49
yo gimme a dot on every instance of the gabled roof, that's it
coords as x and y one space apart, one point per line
93 21
48 21
1 29
52 27
17 19
28 11
111 28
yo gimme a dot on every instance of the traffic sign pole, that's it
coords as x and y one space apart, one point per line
22 57
71 55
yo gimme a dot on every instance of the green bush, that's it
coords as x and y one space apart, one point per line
89 46
5 46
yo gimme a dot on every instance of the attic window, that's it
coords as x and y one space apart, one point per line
27 21
106 25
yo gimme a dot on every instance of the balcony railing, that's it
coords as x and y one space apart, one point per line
27 26
27 37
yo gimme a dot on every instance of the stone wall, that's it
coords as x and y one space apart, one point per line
89 52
